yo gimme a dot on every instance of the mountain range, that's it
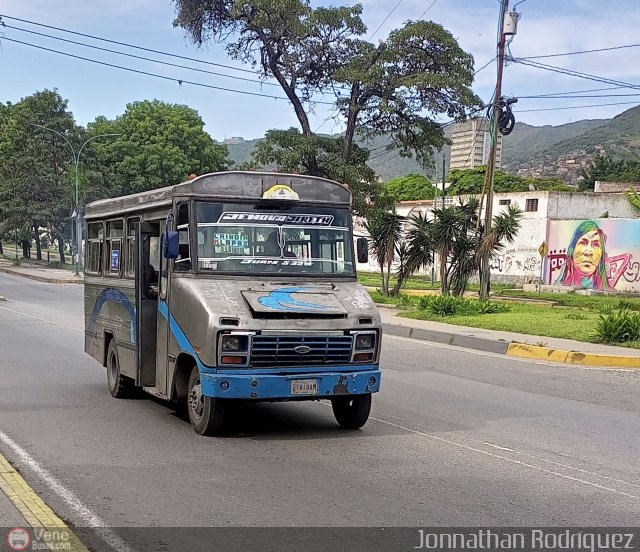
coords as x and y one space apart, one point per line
558 151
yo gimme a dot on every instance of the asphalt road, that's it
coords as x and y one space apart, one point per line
456 438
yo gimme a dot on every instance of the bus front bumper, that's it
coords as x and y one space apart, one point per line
308 385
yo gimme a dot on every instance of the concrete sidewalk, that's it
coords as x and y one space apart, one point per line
41 273
510 343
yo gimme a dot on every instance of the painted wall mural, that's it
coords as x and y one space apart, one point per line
594 254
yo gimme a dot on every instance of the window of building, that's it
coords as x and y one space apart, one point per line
531 205
95 242
130 266
183 262
115 232
505 202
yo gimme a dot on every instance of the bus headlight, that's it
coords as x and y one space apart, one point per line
231 343
365 341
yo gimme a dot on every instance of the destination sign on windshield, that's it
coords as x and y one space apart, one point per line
272 218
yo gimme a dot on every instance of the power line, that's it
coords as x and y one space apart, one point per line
575 107
168 63
567 97
577 74
386 18
93 37
428 8
485 65
553 94
582 52
149 74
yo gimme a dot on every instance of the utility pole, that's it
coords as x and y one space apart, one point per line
485 276
443 179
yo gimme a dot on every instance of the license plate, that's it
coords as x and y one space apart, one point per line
304 387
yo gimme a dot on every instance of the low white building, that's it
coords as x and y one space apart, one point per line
554 218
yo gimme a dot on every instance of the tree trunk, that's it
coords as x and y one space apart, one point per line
25 249
444 285
354 109
36 234
61 248
1 250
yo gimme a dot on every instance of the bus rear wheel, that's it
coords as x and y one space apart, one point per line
205 413
352 412
120 386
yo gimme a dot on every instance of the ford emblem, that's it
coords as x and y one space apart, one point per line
302 349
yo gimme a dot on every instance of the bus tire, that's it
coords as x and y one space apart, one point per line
120 386
205 413
352 412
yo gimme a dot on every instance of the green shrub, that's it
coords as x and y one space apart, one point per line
406 301
606 308
449 305
575 315
620 326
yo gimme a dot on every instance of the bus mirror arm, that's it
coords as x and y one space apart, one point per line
362 248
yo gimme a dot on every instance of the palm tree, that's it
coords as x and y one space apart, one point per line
505 228
385 229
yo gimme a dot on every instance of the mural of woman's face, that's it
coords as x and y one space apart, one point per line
588 252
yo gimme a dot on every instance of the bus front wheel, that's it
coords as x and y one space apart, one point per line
206 413
120 386
352 412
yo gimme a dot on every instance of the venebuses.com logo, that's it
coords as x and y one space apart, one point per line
18 539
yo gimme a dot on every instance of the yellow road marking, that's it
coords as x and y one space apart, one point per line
34 510
572 357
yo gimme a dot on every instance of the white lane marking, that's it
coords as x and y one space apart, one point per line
497 446
505 357
42 319
560 464
67 496
506 459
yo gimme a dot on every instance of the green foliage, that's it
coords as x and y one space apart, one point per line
575 314
620 326
159 144
450 305
385 234
410 187
471 181
633 197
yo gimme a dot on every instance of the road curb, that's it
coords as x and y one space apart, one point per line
468 342
521 350
35 511
40 278
571 357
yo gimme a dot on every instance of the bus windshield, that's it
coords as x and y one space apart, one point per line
274 236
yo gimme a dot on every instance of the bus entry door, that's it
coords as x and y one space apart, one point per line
147 253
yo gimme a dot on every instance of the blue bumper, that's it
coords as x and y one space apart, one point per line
278 386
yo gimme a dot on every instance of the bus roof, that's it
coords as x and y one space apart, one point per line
228 185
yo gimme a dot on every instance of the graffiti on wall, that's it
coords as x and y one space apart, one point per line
595 254
520 262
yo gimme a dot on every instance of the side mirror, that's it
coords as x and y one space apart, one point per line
362 248
171 245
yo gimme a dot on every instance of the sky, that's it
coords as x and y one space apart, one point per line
546 27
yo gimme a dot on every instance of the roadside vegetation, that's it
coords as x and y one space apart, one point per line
592 319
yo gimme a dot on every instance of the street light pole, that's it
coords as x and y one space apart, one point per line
77 234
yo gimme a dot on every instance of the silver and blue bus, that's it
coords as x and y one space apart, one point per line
233 286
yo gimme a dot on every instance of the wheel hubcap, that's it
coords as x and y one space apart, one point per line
113 368
196 400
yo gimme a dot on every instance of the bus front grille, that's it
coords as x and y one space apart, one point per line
280 350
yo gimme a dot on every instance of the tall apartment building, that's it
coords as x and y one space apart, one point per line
471 144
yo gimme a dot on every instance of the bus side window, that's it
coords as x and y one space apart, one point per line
95 240
130 265
183 262
115 230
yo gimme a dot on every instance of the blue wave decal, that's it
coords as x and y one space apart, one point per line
178 333
112 294
281 299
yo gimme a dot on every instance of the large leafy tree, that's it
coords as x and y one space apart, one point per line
396 88
158 144
36 167
606 168
471 181
410 187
